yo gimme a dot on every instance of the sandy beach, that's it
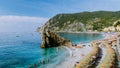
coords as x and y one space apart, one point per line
77 54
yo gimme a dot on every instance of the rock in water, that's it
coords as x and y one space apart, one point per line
51 39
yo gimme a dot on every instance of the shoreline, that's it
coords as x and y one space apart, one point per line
79 32
76 52
75 55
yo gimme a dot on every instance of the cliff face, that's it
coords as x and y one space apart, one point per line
97 20
51 39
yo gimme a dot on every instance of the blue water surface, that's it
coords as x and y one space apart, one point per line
81 37
18 50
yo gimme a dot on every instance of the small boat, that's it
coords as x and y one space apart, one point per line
17 36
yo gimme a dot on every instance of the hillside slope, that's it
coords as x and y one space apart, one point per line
84 21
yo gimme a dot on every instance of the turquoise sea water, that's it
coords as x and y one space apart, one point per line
81 37
18 50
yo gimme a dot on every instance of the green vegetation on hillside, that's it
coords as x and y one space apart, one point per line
92 20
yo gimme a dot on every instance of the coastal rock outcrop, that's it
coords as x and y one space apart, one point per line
52 39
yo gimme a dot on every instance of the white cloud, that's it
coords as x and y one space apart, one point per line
20 23
11 18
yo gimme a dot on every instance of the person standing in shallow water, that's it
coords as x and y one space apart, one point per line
35 65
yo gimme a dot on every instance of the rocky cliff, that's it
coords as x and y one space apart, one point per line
51 39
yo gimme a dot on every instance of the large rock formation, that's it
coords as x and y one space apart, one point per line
51 39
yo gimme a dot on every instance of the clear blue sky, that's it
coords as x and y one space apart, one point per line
48 8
